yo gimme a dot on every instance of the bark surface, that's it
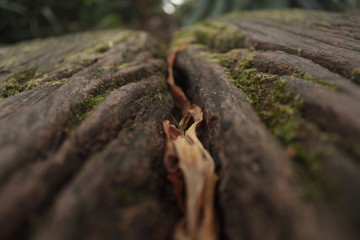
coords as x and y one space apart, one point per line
82 141
280 94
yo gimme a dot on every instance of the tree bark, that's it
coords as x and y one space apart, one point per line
282 124
82 142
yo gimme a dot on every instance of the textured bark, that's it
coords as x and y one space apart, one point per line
81 158
334 52
265 174
257 192
82 142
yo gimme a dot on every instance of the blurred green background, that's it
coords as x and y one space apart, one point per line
26 19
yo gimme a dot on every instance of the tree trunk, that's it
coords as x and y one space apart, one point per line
82 142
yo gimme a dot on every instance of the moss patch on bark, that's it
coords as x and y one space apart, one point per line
281 112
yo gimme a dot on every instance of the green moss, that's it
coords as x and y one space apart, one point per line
182 36
119 38
282 114
127 64
33 83
26 81
81 110
99 47
311 173
29 79
80 60
318 82
58 81
220 36
216 35
107 67
247 58
9 60
62 70
73 64
355 75
16 83
298 51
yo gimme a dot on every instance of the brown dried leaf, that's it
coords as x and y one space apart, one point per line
198 169
188 162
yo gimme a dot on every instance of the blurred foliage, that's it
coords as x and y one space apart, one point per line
25 19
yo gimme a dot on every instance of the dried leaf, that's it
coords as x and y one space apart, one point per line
188 162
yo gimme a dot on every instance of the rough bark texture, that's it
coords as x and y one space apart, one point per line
81 149
81 138
281 101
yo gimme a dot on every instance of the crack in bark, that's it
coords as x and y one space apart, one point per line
189 167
